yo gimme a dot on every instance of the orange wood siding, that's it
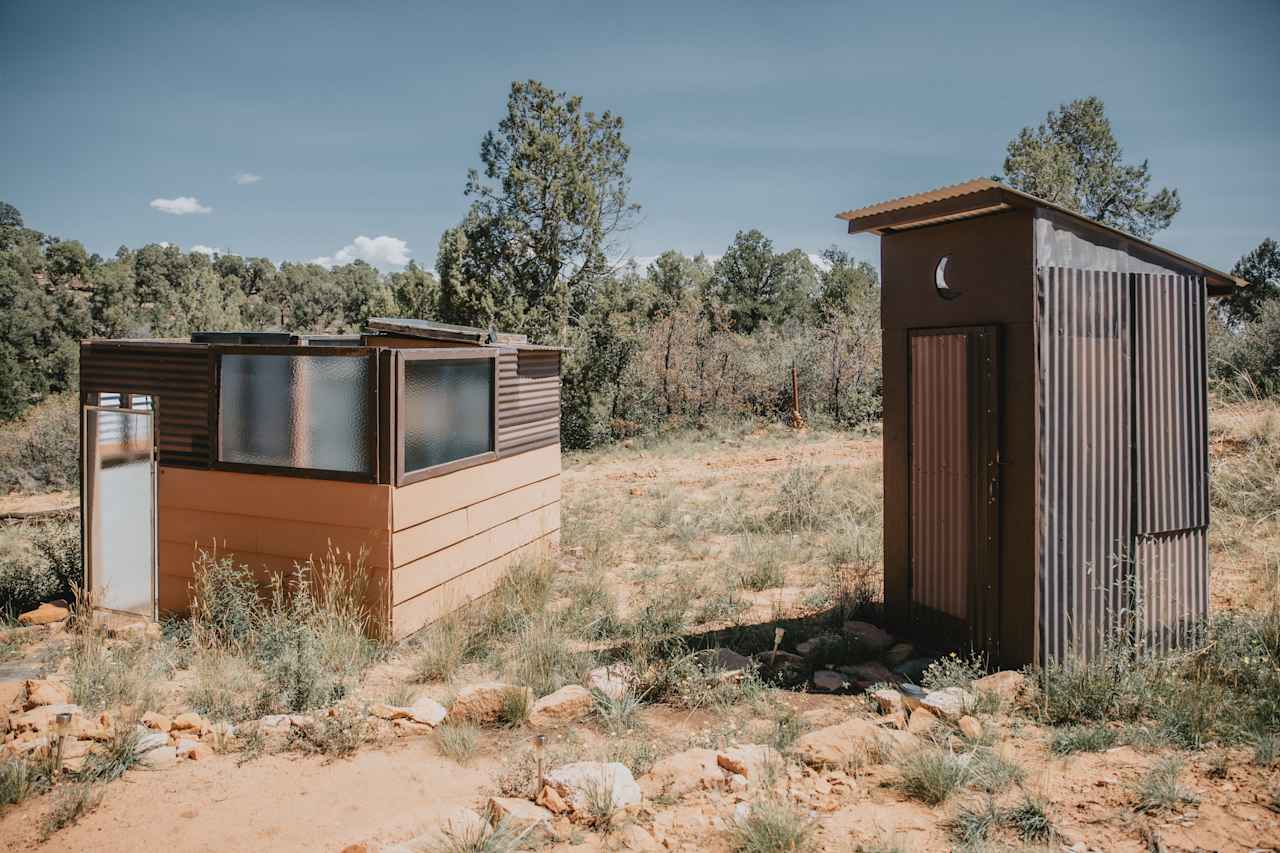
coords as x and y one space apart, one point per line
268 523
456 534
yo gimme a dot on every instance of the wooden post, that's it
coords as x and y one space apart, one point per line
797 421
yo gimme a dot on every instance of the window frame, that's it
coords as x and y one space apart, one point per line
370 354
444 354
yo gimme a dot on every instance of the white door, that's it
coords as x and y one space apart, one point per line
119 505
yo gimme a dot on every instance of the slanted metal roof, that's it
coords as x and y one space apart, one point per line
434 331
983 196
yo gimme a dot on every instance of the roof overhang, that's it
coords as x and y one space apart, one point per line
984 197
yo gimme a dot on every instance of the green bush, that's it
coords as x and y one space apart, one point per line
45 571
40 451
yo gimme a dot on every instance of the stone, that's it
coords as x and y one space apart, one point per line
949 703
428 712
738 783
152 740
383 711
970 727
898 653
46 614
912 696
678 774
576 782
133 629
519 814
857 742
637 838
612 680
482 703
888 700
784 668
828 681
815 645
569 703
189 722
750 760
186 746
864 675
408 728
551 800
899 720
921 721
42 718
156 721
730 661
160 758
913 668
41 691
275 722
1007 684
870 638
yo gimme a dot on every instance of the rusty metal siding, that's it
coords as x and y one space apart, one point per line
176 376
528 400
941 509
1086 482
1173 484
1172 586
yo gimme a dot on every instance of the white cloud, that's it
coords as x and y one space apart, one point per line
205 250
381 252
180 206
247 178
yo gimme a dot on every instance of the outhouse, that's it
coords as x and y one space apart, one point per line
1045 426
433 449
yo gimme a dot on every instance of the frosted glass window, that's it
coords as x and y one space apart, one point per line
296 411
448 411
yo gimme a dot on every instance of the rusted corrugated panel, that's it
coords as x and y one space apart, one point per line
528 400
941 508
1173 465
1085 472
176 376
1172 585
908 201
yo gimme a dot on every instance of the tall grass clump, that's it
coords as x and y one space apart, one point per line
308 637
931 774
801 504
759 563
444 647
1161 788
772 826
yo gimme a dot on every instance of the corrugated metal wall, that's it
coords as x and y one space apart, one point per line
177 376
941 509
1173 488
1086 477
1123 457
528 400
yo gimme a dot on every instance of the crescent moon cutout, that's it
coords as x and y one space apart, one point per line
940 280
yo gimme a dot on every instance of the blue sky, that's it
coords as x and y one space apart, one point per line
361 119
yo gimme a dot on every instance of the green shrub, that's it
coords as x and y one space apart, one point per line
22 777
1161 789
1073 739
931 774
334 735
40 451
801 503
772 826
116 756
46 570
954 671
457 741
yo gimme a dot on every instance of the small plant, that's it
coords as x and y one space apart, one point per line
402 696
334 735
21 778
1073 739
515 707
70 803
1266 750
600 805
1029 819
772 826
954 671
971 825
790 726
637 754
118 754
992 772
617 713
521 594
1161 789
931 774
478 837
457 741
542 655
759 563
444 648
801 504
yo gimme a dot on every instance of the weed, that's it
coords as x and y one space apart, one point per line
521 594
954 671
70 803
790 726
42 566
617 713
337 734
223 685
478 837
457 741
21 778
759 563
637 754
402 696
104 675
992 772
931 774
800 505
592 611
116 757
1160 789
772 826
444 648
514 711
1073 739
253 744
1029 819
1266 750
543 655
974 824
600 805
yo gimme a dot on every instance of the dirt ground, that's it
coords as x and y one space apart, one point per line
646 513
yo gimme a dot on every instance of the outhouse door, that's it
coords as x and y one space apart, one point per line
954 576
118 503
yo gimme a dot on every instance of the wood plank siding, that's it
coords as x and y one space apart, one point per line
268 523
455 534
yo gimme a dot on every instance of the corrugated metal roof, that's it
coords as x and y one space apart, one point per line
981 196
